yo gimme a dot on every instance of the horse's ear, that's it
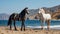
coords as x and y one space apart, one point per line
26 7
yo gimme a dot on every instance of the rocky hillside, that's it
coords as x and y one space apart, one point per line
33 13
54 11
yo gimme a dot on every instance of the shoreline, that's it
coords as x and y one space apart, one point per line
38 19
37 27
5 30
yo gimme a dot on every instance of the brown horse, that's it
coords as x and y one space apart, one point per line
18 17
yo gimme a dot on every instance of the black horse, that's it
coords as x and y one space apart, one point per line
18 17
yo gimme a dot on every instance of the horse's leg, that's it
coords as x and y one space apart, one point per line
23 25
15 25
41 24
48 24
10 26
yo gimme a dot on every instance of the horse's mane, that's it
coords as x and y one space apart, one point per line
46 10
22 11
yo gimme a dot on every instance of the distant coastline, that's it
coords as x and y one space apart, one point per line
33 13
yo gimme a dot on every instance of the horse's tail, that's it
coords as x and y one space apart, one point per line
9 21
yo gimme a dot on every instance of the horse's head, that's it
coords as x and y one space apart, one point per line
26 10
41 10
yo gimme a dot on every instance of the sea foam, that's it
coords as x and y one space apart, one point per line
55 26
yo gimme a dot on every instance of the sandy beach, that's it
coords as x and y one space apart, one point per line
5 30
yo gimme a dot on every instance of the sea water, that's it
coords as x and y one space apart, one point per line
32 23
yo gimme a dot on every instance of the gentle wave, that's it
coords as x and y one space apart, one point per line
55 26
55 20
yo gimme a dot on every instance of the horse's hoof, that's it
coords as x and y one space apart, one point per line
21 30
16 30
24 29
41 28
10 29
48 29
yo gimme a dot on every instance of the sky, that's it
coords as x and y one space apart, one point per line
16 6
